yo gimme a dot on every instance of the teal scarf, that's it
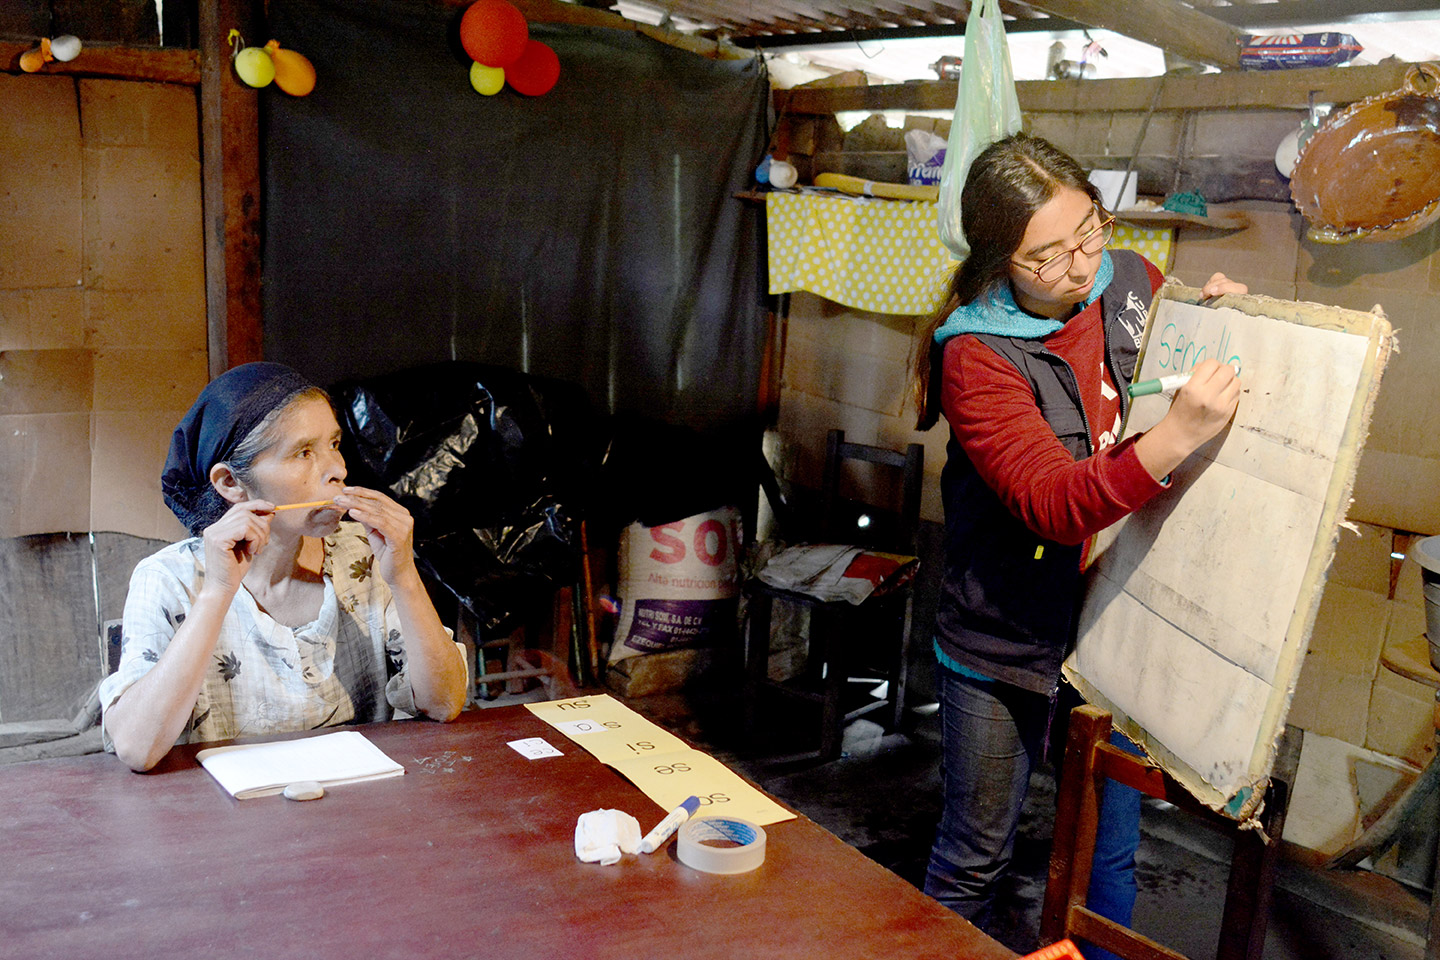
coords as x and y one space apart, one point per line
999 314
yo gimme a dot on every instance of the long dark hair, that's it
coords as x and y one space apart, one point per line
1010 180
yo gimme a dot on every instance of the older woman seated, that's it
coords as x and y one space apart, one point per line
277 615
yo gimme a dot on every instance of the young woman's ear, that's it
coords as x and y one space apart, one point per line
223 479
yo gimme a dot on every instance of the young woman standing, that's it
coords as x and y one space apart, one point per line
1029 362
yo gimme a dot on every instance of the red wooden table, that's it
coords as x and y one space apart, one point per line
470 854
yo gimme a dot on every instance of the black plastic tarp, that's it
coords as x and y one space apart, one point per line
497 468
589 235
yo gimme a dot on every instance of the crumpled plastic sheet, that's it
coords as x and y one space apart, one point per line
491 463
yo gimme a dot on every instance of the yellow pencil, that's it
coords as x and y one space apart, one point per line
301 506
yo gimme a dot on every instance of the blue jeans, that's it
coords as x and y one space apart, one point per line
993 735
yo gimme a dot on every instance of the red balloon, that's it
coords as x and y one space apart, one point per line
493 33
535 72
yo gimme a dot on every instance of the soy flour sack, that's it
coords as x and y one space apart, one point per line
678 583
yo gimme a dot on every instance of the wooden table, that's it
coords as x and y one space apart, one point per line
470 854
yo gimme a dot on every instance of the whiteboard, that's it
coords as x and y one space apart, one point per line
1199 606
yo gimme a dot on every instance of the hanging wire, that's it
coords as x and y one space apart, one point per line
856 40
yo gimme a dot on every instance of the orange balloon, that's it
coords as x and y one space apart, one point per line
294 73
493 33
536 71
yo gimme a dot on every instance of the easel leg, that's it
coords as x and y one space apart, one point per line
1252 880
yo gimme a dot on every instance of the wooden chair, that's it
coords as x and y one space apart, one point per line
841 633
1089 760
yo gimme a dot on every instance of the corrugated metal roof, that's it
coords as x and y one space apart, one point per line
772 23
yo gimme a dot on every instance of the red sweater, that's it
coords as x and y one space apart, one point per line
991 407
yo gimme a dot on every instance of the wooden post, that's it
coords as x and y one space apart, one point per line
590 669
230 181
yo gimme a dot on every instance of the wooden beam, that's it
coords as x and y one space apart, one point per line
1167 24
120 63
957 30
1258 90
230 187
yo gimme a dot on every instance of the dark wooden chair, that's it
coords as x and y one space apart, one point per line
1090 759
844 636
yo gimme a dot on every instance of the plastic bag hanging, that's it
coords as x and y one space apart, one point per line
986 109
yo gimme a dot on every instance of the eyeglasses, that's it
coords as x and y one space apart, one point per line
1057 266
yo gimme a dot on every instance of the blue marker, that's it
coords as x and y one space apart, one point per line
652 840
1146 387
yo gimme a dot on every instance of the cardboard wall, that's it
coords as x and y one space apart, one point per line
846 368
102 301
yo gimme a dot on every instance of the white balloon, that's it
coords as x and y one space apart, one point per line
782 174
1288 153
66 47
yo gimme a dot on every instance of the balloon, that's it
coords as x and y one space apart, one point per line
32 60
294 73
783 175
65 47
536 71
486 80
255 66
493 32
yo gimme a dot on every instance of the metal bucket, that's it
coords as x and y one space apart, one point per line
1427 553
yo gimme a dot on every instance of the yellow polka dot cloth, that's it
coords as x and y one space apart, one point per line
884 256
1155 244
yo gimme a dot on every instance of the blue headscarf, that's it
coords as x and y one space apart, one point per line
222 416
998 313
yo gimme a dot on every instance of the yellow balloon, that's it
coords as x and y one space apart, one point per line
294 73
255 66
486 80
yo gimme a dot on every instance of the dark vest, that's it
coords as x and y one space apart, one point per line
1005 611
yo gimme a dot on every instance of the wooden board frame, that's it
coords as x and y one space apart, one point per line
1243 803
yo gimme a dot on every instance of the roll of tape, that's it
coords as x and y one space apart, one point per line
696 845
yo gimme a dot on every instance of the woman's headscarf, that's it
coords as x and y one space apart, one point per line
222 416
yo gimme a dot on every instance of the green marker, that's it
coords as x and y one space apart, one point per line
1146 387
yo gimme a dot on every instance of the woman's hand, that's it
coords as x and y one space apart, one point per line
437 672
388 525
233 542
1204 405
1201 409
1220 284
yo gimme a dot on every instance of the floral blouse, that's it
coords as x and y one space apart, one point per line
346 666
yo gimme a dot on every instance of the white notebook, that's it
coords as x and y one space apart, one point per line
260 769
